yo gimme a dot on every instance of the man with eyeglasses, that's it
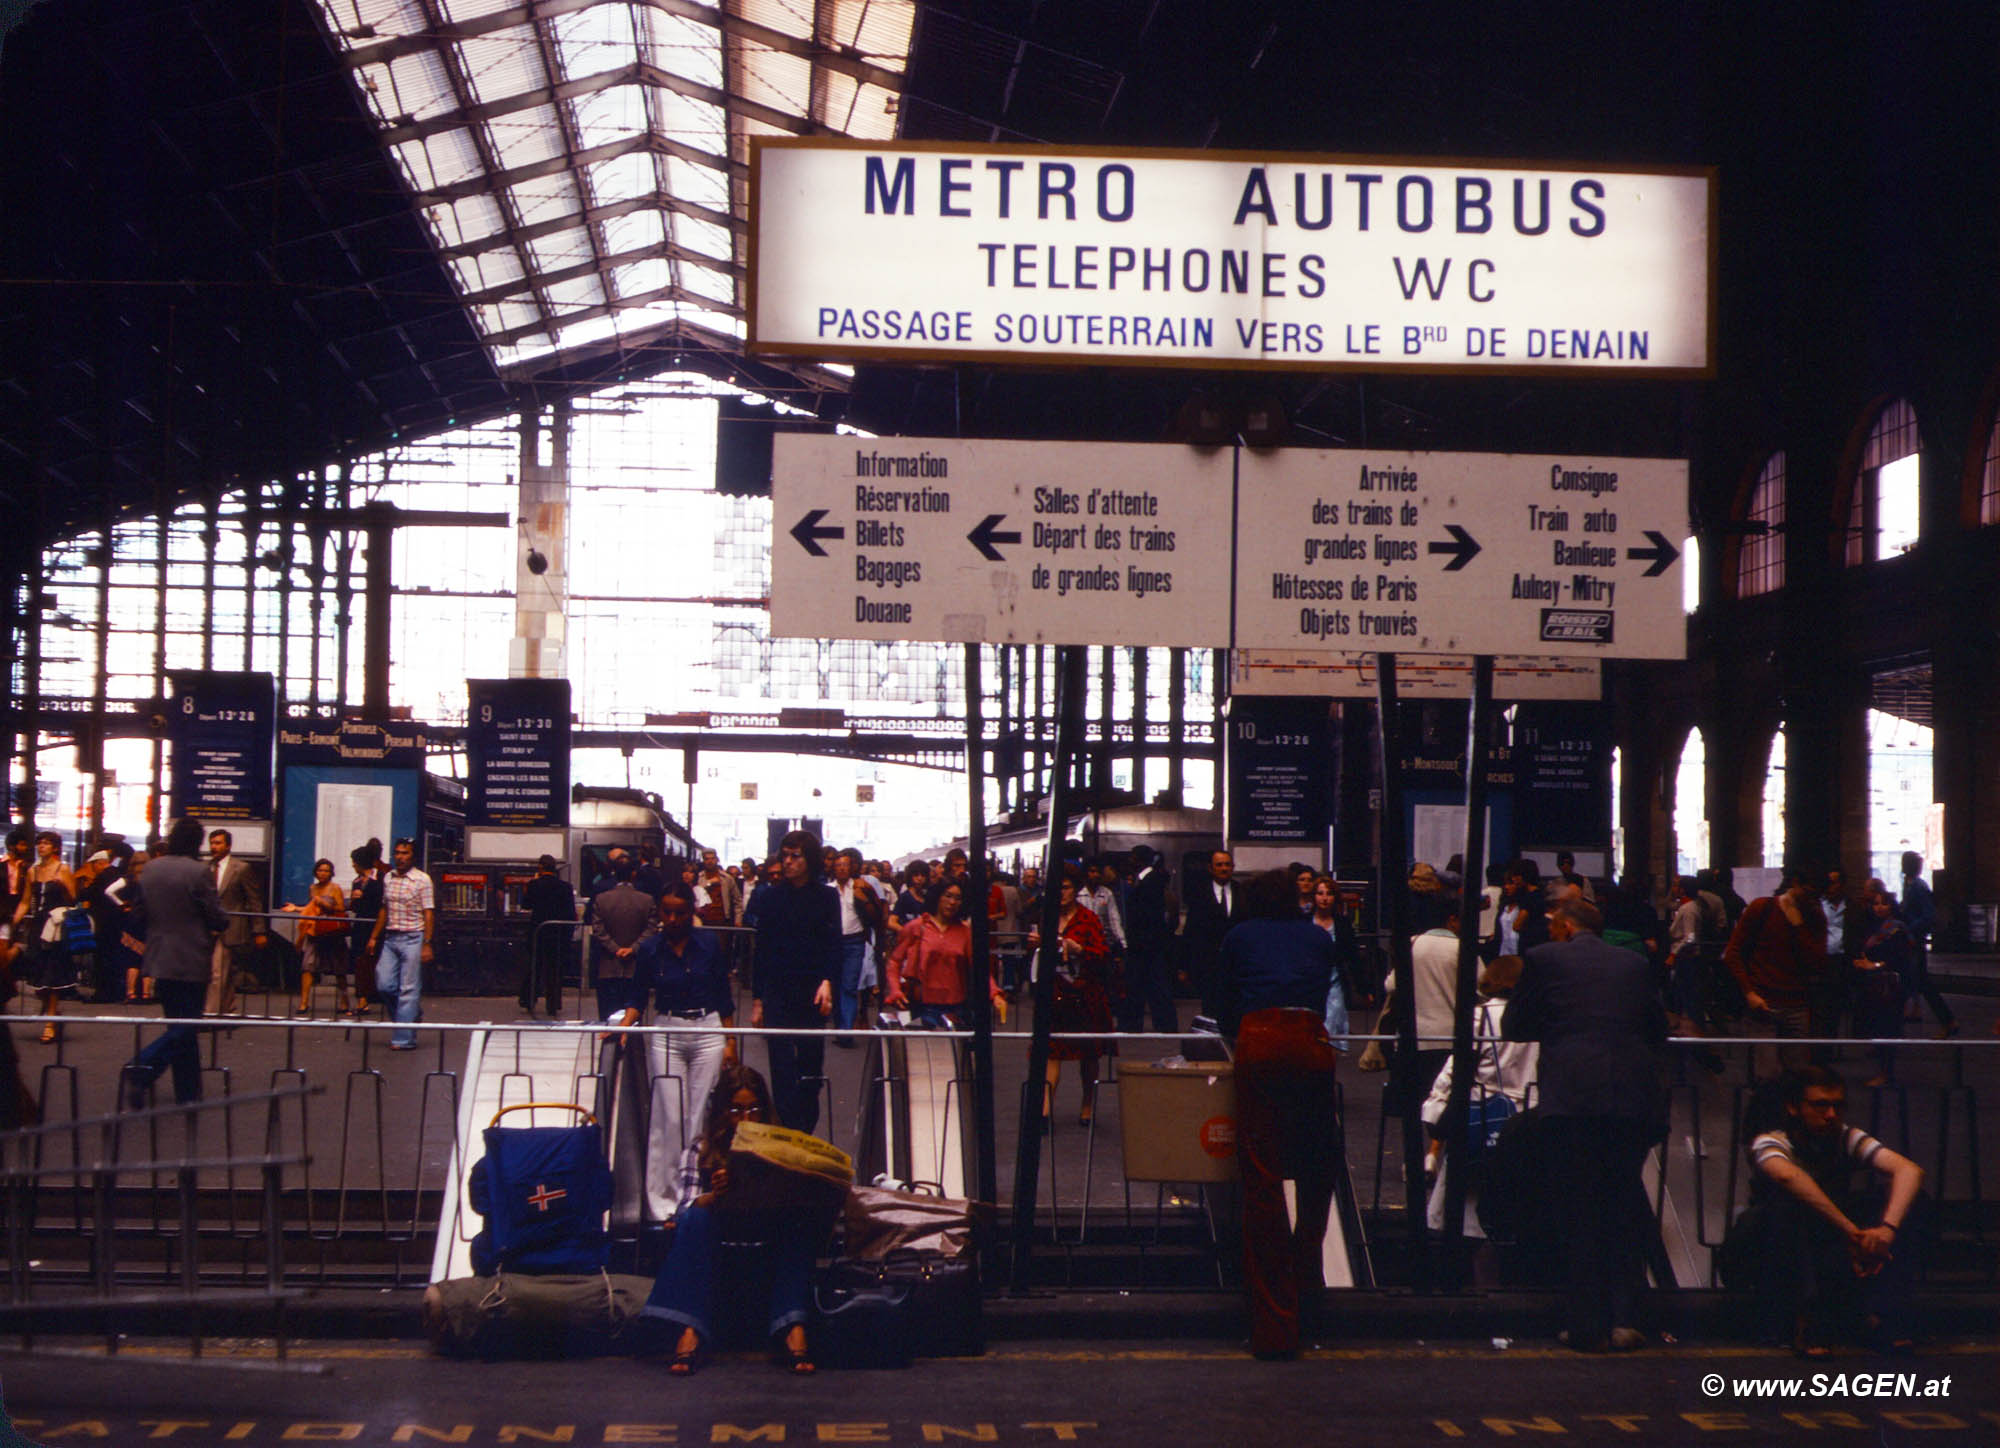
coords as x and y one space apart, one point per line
792 975
1801 1245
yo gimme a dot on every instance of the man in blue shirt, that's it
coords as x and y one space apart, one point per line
1920 919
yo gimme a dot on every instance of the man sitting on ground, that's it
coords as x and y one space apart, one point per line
1801 1244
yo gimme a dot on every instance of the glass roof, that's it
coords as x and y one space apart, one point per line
583 165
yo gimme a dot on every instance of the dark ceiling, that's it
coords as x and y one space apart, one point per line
209 272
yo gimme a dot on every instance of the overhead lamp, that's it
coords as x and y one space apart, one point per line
538 563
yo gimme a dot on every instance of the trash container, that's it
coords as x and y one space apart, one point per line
1178 1123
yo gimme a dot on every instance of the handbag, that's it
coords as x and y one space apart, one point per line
936 1297
861 1325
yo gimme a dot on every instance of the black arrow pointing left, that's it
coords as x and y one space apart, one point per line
984 537
1662 554
1462 548
808 531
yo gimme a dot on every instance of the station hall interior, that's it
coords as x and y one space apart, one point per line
379 345
384 351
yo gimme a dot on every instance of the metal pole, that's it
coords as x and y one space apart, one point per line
1070 683
1395 923
977 998
1478 726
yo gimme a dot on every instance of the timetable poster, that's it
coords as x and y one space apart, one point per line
517 743
1280 769
221 726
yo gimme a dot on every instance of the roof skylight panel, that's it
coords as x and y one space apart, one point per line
879 29
418 88
683 47
704 237
504 64
466 220
694 122
456 11
576 294
622 178
781 81
595 40
793 17
543 198
703 185
716 286
559 250
635 231
522 138
484 270
636 278
365 20
873 117
610 115
441 160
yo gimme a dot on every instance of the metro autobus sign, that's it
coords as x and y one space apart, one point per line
1054 255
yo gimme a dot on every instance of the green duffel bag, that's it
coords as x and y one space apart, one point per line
516 1316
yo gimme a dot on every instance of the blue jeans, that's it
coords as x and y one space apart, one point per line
847 1000
399 972
179 1047
685 1290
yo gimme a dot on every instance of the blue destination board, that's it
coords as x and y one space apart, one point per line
517 743
221 728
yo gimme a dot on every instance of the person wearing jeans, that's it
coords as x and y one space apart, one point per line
403 935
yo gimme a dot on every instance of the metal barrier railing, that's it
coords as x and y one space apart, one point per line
365 1212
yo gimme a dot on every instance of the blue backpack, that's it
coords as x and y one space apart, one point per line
544 1191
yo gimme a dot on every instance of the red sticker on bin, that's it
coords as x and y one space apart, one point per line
1218 1136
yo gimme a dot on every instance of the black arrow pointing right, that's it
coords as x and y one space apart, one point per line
808 532
983 537
1662 554
1462 548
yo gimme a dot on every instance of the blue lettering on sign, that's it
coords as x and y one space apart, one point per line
875 186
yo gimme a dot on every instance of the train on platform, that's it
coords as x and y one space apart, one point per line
482 925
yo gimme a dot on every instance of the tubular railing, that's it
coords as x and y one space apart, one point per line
317 1158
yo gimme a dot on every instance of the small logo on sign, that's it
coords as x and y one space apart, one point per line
1576 626
1218 1136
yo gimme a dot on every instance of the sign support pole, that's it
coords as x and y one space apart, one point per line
1070 683
1471 890
1395 923
977 997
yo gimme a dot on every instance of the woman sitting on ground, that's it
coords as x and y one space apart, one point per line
688 1286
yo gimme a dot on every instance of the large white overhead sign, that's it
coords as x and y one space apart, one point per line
1293 551
927 250
999 542
1477 553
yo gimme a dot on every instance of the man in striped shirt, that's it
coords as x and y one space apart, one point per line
1817 1259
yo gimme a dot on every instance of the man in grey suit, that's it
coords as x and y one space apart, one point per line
1595 1009
242 898
183 919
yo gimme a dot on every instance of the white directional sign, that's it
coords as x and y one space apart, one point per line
1481 553
999 542
1418 676
965 540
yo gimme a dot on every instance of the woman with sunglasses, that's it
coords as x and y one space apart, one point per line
687 1291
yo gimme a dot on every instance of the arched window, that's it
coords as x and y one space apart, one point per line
1883 513
1989 478
1774 804
1691 807
1760 561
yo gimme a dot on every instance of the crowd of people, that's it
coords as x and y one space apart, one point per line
1580 984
